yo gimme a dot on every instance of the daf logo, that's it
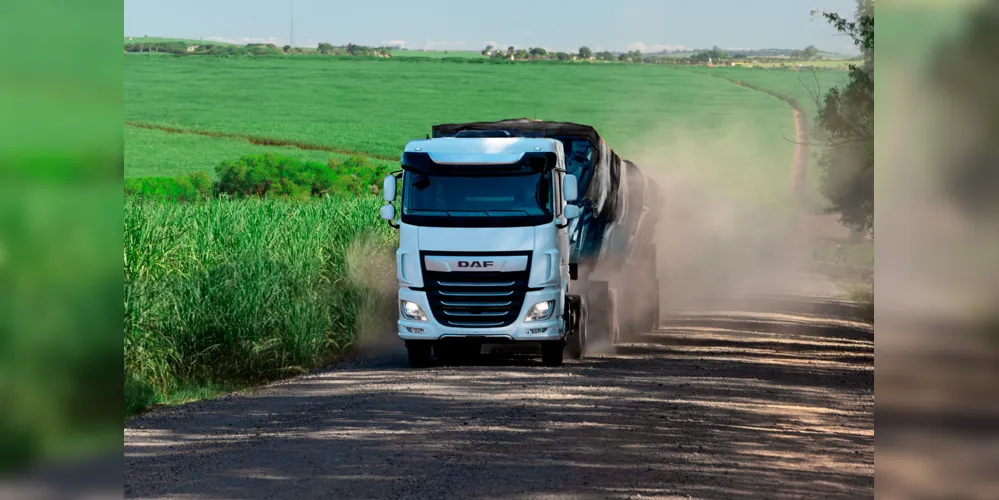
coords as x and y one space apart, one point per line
475 263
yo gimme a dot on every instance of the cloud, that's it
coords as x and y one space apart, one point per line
657 47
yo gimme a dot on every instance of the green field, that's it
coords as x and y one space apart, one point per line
373 107
158 153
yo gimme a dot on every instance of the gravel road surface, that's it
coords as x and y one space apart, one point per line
712 405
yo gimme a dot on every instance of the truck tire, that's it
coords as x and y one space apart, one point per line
602 323
620 322
653 316
575 324
552 353
419 352
575 343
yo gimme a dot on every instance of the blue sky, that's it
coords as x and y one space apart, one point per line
647 25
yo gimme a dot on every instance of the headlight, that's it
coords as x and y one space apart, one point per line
541 311
412 310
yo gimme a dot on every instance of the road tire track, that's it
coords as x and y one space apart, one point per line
711 405
258 140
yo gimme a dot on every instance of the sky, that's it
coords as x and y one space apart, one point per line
646 25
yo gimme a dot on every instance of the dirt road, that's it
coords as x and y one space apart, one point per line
709 406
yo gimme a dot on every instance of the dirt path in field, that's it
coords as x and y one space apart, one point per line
798 171
252 139
799 168
711 405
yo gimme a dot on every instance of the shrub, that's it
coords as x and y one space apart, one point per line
190 187
271 175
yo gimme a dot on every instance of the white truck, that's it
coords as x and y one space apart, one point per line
498 246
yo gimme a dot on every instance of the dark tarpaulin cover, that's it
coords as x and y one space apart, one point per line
601 184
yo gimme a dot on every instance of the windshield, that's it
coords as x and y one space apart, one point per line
498 199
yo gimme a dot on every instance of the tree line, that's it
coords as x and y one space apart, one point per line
715 55
256 49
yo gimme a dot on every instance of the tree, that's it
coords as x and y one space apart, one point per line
846 128
510 50
562 56
585 52
539 52
325 48
605 56
963 69
486 51
286 49
810 52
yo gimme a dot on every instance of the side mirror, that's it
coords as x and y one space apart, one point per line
388 189
388 212
569 188
571 212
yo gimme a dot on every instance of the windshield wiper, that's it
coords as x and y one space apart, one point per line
506 213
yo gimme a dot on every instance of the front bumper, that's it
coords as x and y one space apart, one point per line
517 331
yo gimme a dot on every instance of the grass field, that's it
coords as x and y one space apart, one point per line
373 107
230 292
159 153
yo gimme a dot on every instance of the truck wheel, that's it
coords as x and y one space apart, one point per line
419 353
552 352
575 344
602 322
653 318
619 325
575 339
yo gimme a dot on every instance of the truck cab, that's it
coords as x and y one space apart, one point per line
484 246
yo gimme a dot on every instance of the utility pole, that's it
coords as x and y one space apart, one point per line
292 41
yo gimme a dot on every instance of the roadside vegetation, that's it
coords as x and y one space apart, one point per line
245 278
229 292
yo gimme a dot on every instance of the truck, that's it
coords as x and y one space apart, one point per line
529 233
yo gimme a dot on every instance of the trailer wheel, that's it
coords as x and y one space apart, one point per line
653 317
419 352
602 322
552 353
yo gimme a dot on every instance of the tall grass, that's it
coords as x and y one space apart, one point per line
227 292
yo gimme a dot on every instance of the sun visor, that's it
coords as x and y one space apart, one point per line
475 158
469 163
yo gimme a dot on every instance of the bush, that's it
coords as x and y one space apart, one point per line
277 176
190 187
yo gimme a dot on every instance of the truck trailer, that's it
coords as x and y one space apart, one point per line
524 232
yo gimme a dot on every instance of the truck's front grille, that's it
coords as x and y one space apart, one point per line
476 299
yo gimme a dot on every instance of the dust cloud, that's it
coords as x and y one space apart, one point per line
938 237
371 274
729 229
